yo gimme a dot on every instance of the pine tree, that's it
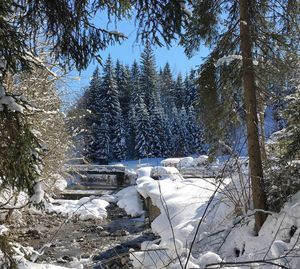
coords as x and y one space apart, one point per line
118 140
142 138
167 88
135 87
118 73
179 92
131 133
111 103
196 139
184 135
174 132
125 91
93 108
250 29
158 146
102 155
148 76
135 93
190 83
283 169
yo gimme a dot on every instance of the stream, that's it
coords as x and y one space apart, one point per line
92 243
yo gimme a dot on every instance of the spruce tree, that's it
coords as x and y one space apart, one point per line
239 31
135 86
174 132
142 138
111 103
157 131
195 132
191 86
180 92
167 88
93 105
184 135
103 141
135 93
124 90
148 76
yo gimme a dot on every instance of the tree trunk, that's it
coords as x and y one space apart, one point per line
261 113
255 163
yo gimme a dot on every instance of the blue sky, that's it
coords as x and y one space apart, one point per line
130 50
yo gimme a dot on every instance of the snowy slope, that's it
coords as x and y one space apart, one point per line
208 211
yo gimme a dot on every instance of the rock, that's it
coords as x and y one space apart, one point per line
104 233
81 239
61 261
124 260
34 234
85 256
99 229
121 232
67 258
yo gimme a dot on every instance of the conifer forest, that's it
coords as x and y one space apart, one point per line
137 112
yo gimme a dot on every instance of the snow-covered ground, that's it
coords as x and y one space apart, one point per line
135 164
203 222
130 201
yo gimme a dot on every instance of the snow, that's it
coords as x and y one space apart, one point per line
11 104
209 258
24 264
201 160
38 195
226 60
6 198
171 162
144 172
161 172
136 164
226 228
109 198
2 90
177 211
185 162
130 201
85 208
20 252
3 229
61 184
